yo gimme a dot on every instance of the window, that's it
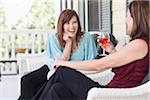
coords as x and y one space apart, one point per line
93 15
99 15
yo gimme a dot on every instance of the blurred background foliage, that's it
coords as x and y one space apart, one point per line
28 14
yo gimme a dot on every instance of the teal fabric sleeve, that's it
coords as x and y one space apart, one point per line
53 48
90 47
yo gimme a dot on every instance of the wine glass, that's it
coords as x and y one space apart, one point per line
103 40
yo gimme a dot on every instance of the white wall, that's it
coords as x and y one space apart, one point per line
119 28
119 17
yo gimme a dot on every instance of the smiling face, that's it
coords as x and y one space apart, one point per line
129 21
68 23
71 27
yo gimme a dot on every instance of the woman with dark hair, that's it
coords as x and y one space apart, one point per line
69 43
130 64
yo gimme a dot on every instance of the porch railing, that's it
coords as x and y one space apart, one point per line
31 40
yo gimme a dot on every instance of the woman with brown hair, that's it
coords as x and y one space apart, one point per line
69 43
130 64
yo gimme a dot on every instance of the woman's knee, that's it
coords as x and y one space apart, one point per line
64 69
25 80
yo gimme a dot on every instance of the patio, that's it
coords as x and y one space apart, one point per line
33 40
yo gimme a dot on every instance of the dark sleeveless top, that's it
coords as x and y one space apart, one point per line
132 74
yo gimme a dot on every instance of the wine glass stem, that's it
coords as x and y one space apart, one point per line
103 52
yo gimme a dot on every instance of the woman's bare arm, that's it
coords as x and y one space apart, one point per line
135 50
67 51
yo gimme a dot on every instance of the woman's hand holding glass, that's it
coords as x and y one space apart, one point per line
104 42
109 47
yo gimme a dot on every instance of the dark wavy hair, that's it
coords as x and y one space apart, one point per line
139 10
65 17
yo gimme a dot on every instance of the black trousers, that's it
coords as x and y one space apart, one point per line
32 82
66 84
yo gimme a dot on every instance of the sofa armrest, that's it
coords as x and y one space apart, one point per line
141 92
30 62
34 63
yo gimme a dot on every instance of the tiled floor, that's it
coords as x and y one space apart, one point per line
9 87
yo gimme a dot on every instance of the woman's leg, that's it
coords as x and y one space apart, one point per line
77 83
31 82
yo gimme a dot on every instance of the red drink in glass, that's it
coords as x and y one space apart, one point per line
103 41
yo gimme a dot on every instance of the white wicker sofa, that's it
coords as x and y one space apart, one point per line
30 62
141 92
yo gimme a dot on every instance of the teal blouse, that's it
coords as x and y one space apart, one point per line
86 49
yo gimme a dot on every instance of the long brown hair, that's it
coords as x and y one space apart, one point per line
65 17
139 10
